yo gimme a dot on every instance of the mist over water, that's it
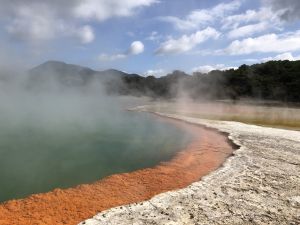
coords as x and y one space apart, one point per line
61 137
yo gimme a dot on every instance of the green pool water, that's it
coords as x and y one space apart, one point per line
40 153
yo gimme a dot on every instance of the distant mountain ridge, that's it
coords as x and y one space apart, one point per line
273 80
58 67
71 74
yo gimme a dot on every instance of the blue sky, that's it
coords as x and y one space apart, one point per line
150 36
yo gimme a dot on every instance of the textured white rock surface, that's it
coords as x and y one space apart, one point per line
259 184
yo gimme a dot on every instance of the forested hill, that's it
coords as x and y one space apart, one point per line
273 80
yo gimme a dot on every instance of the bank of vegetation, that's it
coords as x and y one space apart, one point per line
272 81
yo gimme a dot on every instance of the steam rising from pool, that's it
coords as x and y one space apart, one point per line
64 137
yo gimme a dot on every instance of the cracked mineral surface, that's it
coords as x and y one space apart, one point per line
259 184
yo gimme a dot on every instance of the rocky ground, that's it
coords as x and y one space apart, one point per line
260 184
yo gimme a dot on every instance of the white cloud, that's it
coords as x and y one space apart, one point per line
36 21
104 9
154 36
265 43
271 15
248 30
263 14
186 43
251 22
38 24
202 17
156 72
208 68
86 34
136 48
106 57
284 56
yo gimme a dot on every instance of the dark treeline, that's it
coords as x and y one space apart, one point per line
273 80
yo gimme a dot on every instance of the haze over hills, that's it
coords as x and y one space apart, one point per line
60 68
70 74
273 80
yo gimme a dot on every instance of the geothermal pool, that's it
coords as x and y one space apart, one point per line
41 153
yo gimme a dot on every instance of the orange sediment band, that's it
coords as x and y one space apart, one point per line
208 150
